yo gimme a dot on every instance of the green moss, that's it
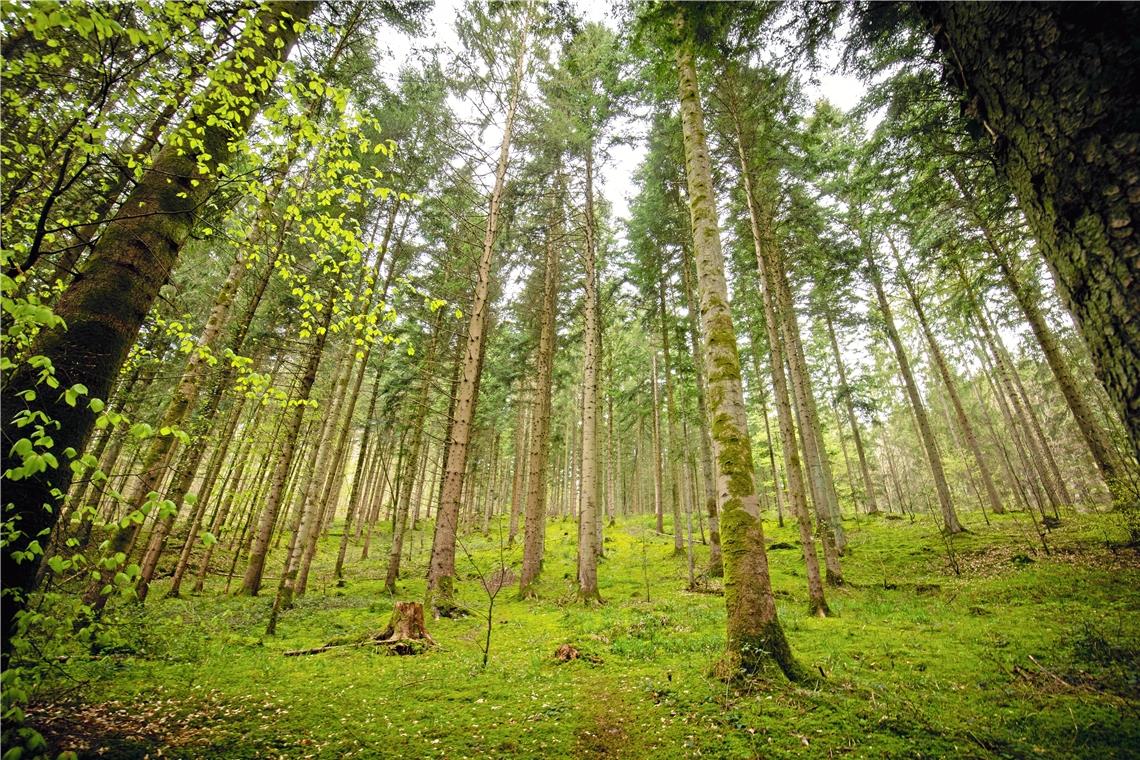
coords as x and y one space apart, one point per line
944 673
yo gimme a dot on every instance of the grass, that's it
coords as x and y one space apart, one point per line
1022 655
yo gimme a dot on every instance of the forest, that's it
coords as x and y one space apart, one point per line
544 378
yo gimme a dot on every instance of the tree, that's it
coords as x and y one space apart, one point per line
1065 96
441 572
132 260
755 638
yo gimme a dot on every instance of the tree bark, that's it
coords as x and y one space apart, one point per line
755 638
1054 86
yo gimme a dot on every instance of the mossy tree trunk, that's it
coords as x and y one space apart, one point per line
763 242
755 638
1054 87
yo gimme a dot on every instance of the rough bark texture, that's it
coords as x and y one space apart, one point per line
1054 86
106 306
755 638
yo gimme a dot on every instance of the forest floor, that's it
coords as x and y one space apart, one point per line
1021 655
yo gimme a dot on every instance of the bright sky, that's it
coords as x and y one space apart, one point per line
616 175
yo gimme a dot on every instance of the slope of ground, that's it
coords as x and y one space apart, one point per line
1022 654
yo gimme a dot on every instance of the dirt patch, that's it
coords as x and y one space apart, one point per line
603 731
1000 559
144 727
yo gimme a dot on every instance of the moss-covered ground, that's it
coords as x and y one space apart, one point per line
1021 655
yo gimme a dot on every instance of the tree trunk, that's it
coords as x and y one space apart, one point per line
1054 86
708 478
1028 296
951 388
845 392
251 582
934 458
535 518
755 638
763 242
673 446
518 480
588 544
658 486
441 571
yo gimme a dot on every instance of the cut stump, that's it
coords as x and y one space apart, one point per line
405 634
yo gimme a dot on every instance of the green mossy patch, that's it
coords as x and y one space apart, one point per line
1009 660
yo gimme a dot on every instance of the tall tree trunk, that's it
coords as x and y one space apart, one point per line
534 525
755 638
441 570
845 392
1062 116
673 446
708 478
251 582
518 481
412 464
763 243
658 486
934 458
358 479
951 387
1119 477
588 543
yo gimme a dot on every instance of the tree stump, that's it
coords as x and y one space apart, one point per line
406 632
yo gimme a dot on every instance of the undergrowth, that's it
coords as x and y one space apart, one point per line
1022 654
